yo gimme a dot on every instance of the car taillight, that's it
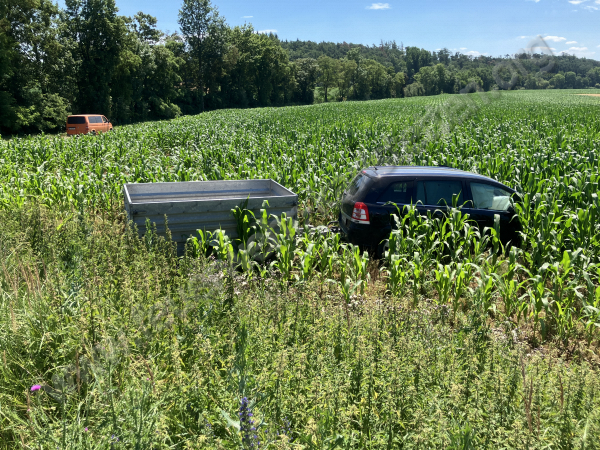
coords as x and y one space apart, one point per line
360 213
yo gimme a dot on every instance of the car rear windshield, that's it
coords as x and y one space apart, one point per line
95 119
76 120
355 184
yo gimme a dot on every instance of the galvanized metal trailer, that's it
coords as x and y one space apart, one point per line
205 205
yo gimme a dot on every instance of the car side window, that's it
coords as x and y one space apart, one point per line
104 119
398 193
486 196
95 119
438 192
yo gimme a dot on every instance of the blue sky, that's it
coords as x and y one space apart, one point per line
469 26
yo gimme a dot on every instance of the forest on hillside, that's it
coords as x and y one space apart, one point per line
86 58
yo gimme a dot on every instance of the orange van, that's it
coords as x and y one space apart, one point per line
88 124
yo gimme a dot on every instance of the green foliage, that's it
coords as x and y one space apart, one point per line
203 30
99 34
329 70
133 347
86 58
305 72
127 339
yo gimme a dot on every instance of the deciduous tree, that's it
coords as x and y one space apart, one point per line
329 71
203 30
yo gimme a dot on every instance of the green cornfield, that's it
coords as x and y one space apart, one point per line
296 339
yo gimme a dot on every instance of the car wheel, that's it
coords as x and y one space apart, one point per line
383 247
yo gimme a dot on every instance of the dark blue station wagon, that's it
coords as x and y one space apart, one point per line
366 208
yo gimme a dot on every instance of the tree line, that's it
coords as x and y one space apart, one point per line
86 58
391 70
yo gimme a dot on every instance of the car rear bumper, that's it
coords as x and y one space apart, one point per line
361 234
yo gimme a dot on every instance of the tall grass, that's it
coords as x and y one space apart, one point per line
134 348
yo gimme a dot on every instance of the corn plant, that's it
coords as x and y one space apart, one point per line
359 267
443 282
563 295
508 285
397 275
539 299
463 274
307 262
418 276
200 246
264 238
485 288
348 284
222 246
286 241
327 256
244 219
590 313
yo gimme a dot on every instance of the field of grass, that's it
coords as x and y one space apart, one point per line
446 343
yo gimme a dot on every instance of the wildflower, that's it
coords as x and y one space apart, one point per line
35 387
247 428
85 429
286 430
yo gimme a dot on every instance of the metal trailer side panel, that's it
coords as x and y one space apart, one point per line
204 205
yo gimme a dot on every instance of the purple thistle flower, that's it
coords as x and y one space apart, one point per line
85 428
35 387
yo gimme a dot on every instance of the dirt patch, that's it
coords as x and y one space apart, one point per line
590 95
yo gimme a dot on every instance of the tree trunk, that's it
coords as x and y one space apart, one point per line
325 94
201 81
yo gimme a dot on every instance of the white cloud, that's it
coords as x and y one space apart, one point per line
379 6
579 51
474 53
533 1
555 38
571 42
588 7
523 37
463 48
247 17
267 31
